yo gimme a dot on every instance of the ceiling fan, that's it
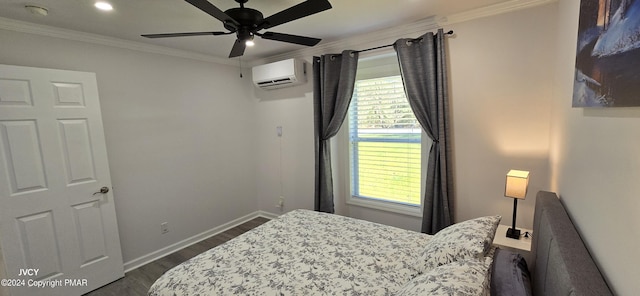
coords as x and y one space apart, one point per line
246 23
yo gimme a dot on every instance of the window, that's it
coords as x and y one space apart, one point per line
385 138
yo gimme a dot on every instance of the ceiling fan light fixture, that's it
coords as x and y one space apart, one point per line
250 42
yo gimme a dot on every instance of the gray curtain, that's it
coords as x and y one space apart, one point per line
423 68
334 76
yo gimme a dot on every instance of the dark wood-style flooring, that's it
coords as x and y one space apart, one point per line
139 280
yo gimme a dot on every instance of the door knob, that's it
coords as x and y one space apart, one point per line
103 190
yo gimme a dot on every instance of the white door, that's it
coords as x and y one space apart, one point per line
53 160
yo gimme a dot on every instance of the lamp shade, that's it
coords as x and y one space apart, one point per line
517 184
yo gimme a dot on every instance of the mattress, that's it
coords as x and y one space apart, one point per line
302 253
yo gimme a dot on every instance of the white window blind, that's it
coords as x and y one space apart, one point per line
385 142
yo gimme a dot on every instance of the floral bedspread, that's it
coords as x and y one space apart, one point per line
302 253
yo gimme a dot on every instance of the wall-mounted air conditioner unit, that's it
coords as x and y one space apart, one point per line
280 74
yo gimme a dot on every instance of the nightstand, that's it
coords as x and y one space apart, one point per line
524 243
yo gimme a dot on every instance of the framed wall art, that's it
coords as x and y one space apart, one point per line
607 70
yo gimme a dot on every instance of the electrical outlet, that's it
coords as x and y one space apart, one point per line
164 227
280 203
279 131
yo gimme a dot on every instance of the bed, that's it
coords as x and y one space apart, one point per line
310 253
562 264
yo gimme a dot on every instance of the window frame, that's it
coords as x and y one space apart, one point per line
346 161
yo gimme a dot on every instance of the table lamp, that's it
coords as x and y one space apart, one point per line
516 187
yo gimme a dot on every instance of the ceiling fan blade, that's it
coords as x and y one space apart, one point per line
301 10
165 35
302 40
213 11
238 49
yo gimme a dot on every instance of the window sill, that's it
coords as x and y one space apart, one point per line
415 211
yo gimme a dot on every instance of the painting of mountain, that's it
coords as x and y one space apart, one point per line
607 70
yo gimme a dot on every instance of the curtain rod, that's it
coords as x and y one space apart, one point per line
389 45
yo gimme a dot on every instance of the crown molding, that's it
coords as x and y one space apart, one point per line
495 9
412 30
361 41
37 29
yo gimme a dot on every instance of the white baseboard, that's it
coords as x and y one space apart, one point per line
267 215
142 260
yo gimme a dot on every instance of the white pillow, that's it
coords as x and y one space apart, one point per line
466 277
470 239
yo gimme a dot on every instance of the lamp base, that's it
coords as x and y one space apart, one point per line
513 233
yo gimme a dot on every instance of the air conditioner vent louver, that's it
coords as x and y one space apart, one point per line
277 81
279 74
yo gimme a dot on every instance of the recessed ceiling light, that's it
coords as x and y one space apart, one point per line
37 10
103 6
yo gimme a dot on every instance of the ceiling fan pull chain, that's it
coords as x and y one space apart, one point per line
240 64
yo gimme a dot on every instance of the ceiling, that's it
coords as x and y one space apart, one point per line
130 18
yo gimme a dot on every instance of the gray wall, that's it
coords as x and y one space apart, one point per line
178 131
501 81
595 167
511 82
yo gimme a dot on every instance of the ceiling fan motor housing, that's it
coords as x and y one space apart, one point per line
248 18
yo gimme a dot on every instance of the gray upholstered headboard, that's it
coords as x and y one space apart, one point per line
562 266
